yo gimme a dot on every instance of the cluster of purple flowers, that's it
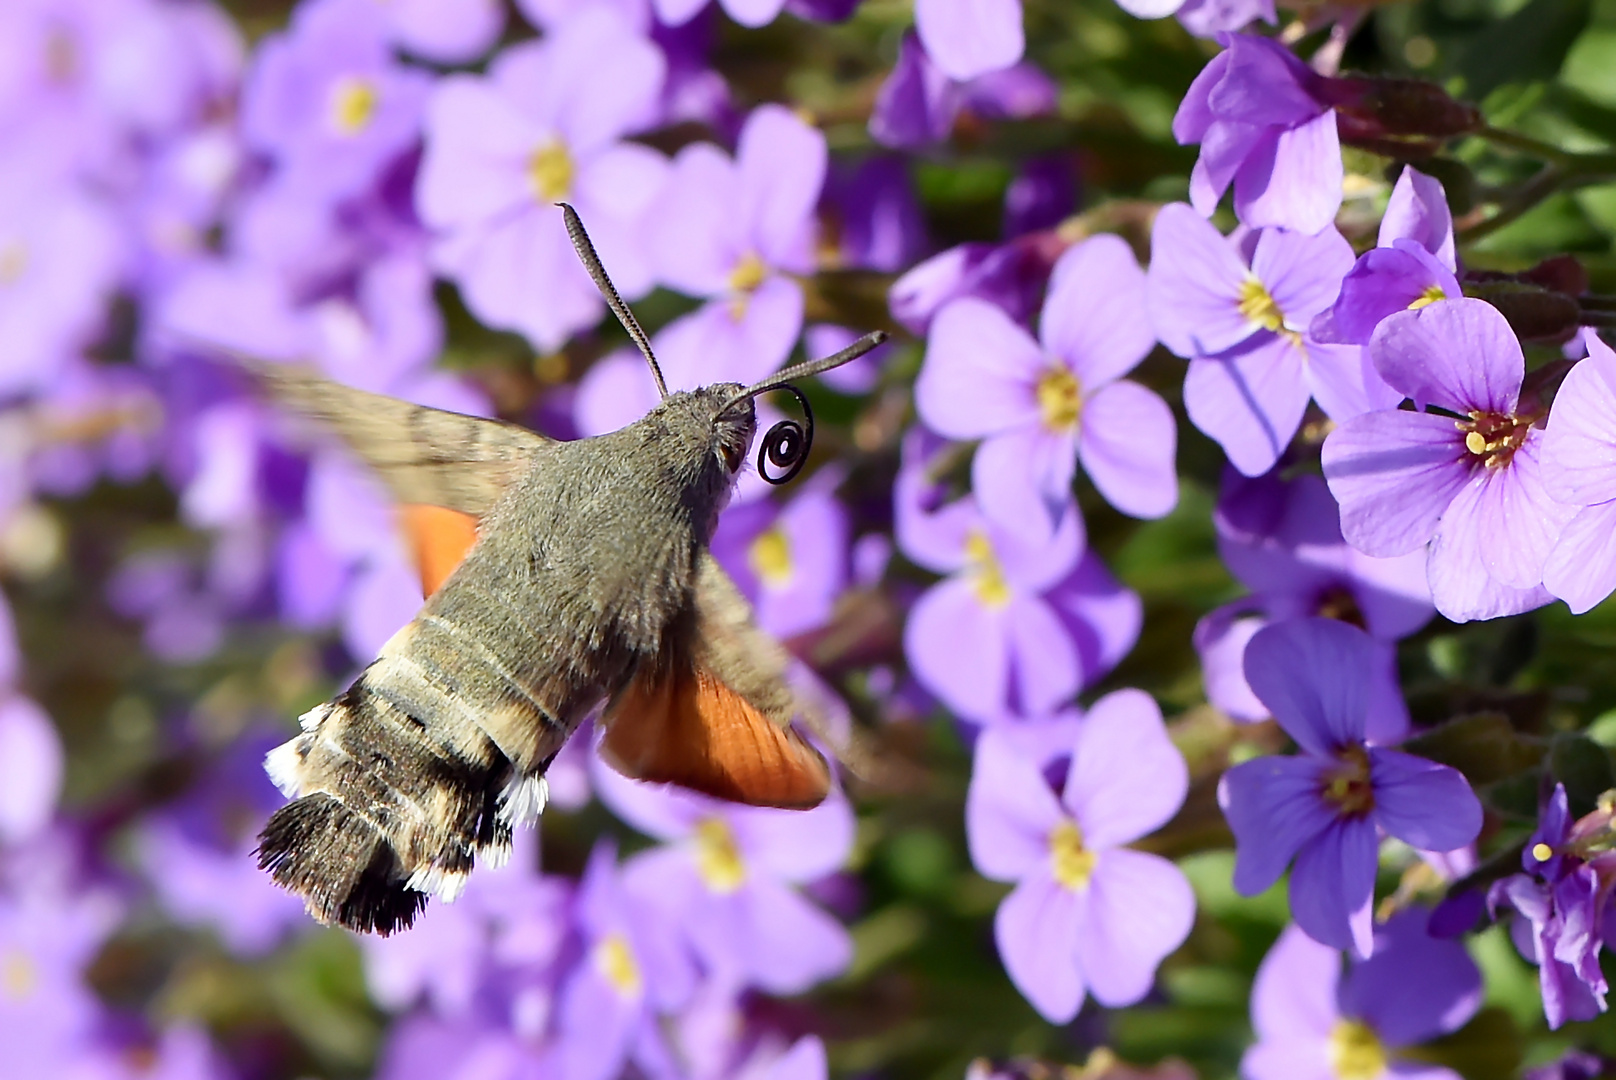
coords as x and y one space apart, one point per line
315 196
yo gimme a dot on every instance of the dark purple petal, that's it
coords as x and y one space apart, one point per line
1333 885
1415 987
1274 808
1264 83
1384 281
1460 354
1427 806
917 103
1314 674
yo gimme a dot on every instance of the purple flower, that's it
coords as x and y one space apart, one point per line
1468 480
1579 469
1326 806
329 103
733 229
447 31
1263 126
874 215
749 13
48 936
967 38
1238 309
1561 913
544 126
31 766
723 876
1572 1065
1412 265
1011 275
1087 915
919 102
1282 540
1040 405
791 561
1020 624
1205 18
1311 1021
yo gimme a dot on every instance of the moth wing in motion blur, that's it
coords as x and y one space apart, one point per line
549 592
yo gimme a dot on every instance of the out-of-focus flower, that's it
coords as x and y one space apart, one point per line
873 215
1264 126
724 874
1282 540
1088 915
1413 264
1011 275
1562 909
329 103
31 758
545 126
1020 624
919 102
1041 405
967 38
1205 18
732 230
1041 196
1313 1021
1472 488
791 561
1239 309
447 31
1578 470
1572 1065
1326 806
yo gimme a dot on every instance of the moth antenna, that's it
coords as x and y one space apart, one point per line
591 261
810 367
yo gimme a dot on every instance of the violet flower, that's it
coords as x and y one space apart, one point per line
545 126
1205 18
1239 309
1011 275
1040 405
1264 127
723 876
1325 807
1579 469
967 38
1468 480
1412 264
31 767
1313 1021
919 102
1020 624
790 562
445 31
1087 915
1282 540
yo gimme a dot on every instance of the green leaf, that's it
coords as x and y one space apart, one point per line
1531 44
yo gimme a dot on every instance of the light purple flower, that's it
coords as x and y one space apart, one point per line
1088 915
48 936
1020 624
1313 1022
1263 126
733 229
968 38
447 31
31 766
1238 309
919 102
1040 405
1412 265
1471 487
1282 540
1204 18
328 101
1326 806
724 877
1011 275
790 561
545 126
1579 469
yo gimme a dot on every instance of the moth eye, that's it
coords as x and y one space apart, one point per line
733 455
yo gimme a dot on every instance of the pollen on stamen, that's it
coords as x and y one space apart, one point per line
1073 861
770 557
1258 305
1060 398
1349 786
549 172
718 858
1431 295
614 959
1542 852
1355 1051
353 105
986 573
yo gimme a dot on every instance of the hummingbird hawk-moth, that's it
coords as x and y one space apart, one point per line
560 576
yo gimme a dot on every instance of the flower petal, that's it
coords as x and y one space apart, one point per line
967 38
1273 808
1193 285
1096 315
1428 806
1519 522
692 231
1461 586
1301 272
1299 187
1394 474
1126 778
1140 908
1582 568
1128 441
1293 997
1579 446
1460 354
1333 886
1344 382
1418 211
1036 931
780 162
1009 810
959 649
1220 639
1249 399
980 372
1415 987
1043 661
1314 675
1023 483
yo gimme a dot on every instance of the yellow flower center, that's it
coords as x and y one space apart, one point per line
1493 437
986 573
353 105
1431 295
748 274
717 858
615 960
549 172
1348 786
1074 863
1060 398
1258 306
770 556
1355 1052
17 975
13 262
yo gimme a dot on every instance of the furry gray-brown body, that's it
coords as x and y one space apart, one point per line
586 569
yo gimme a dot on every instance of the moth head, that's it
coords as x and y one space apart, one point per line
734 421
